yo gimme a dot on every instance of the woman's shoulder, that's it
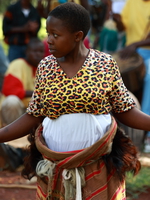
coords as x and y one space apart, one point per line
48 59
102 56
47 62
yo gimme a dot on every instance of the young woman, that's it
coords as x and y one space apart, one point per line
78 94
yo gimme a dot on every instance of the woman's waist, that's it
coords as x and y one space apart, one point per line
78 157
74 131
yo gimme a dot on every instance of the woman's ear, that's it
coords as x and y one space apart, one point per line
79 36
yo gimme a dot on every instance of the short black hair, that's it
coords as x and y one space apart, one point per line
75 17
33 41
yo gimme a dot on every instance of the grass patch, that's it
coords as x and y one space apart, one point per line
137 184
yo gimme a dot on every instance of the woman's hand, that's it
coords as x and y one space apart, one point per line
128 51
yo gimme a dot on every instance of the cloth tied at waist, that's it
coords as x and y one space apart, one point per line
67 171
73 179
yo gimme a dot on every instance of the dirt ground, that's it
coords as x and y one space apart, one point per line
12 185
144 196
15 187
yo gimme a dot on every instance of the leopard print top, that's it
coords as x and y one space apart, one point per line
97 88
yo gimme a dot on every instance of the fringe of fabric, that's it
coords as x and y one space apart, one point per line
124 155
33 156
73 180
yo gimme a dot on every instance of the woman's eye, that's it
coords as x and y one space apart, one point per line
55 35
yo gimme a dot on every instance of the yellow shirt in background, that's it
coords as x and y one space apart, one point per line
136 16
19 77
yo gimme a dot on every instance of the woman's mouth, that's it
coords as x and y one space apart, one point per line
52 50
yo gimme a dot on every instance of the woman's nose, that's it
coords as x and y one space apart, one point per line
49 39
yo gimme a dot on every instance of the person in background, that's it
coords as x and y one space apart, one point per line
17 90
98 15
21 22
18 84
136 19
111 36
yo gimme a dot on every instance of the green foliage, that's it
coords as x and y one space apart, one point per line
137 184
42 32
5 3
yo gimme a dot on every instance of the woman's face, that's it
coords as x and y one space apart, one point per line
60 40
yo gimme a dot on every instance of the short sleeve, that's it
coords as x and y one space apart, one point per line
34 107
119 96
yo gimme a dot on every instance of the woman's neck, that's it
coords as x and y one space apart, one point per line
74 63
79 53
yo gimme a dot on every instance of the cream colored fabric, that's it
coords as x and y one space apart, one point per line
11 109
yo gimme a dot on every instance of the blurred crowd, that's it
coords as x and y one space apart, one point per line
118 27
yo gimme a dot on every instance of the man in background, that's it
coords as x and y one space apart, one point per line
21 23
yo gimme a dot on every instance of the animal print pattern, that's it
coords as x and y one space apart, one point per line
97 88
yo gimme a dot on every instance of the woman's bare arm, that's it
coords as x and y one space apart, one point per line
134 118
19 128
